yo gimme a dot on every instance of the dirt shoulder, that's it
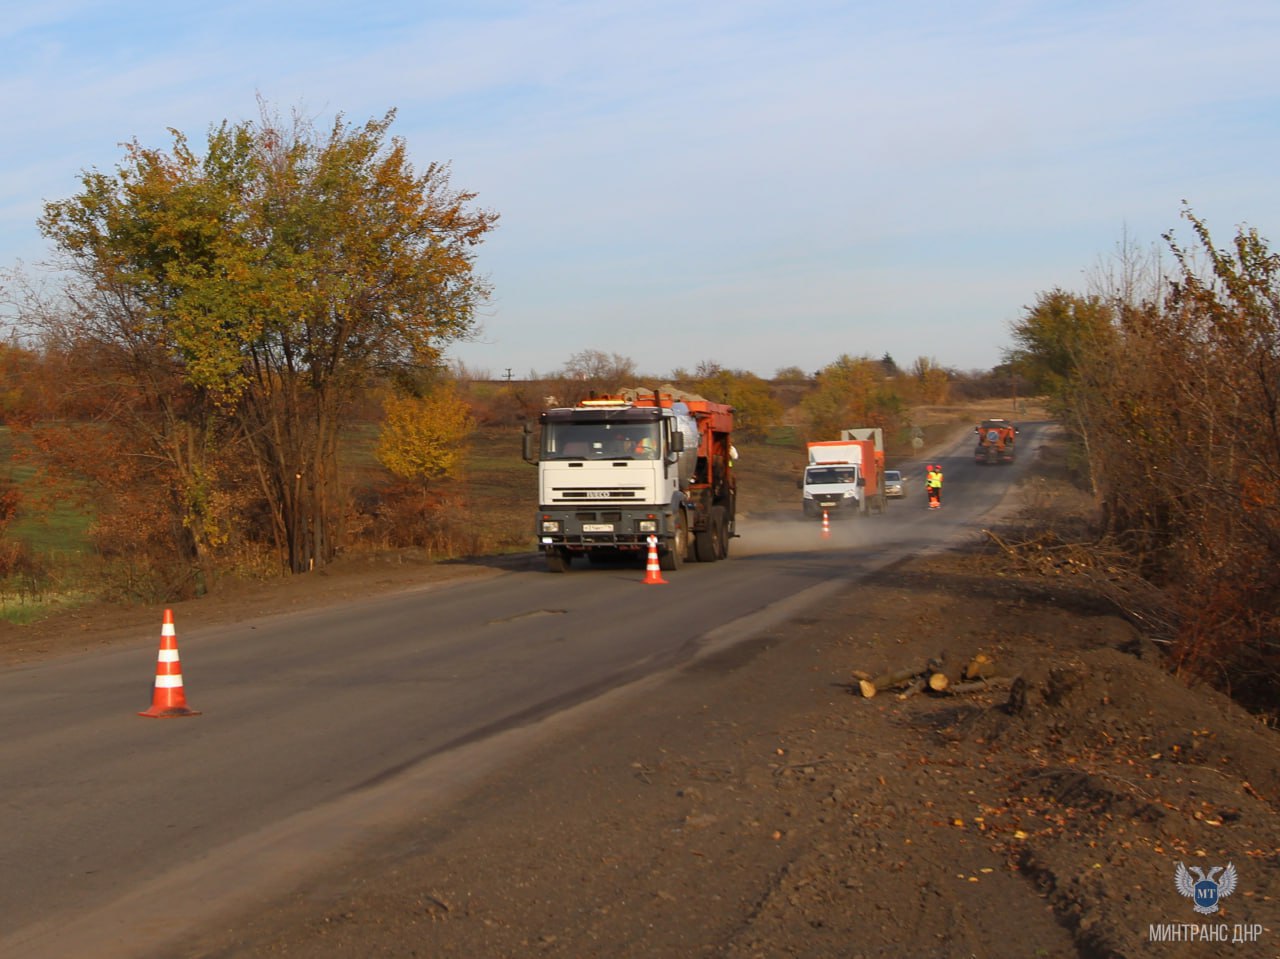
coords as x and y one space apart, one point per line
762 807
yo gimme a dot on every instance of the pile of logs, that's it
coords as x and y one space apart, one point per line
980 673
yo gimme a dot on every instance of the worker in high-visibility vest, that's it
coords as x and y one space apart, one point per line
933 482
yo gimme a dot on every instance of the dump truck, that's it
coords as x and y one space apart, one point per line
845 477
616 471
996 439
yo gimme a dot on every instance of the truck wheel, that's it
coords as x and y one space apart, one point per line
704 544
672 557
558 560
720 529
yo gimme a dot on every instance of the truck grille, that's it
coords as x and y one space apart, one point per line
596 495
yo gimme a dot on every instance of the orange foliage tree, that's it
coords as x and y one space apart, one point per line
852 393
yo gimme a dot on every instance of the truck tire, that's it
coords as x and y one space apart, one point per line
713 543
558 560
720 528
704 543
673 556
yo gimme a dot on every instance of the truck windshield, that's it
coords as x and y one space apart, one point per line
585 441
825 475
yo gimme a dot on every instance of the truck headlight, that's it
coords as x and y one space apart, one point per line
647 525
551 526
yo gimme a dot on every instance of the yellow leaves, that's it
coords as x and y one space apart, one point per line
423 438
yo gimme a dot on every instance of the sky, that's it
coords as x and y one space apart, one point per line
758 184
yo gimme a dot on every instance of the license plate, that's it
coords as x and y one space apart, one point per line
597 527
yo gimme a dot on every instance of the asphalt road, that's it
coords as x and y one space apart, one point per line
320 728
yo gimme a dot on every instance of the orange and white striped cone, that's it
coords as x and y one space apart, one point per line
652 570
826 525
169 698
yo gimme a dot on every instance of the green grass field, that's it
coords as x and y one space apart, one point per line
44 545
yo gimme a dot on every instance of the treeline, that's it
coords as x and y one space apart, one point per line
850 390
103 446
1167 375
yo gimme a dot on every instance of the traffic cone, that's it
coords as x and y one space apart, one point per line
653 571
826 525
169 698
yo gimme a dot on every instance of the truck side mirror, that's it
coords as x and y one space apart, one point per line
677 442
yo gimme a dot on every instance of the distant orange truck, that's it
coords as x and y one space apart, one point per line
996 441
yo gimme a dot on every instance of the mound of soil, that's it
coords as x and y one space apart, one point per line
764 807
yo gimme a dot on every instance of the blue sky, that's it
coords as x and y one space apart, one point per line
756 183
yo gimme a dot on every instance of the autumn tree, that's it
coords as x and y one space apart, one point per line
250 292
139 413
791 375
1169 386
592 371
852 392
931 383
1066 347
755 409
423 439
707 369
1219 336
